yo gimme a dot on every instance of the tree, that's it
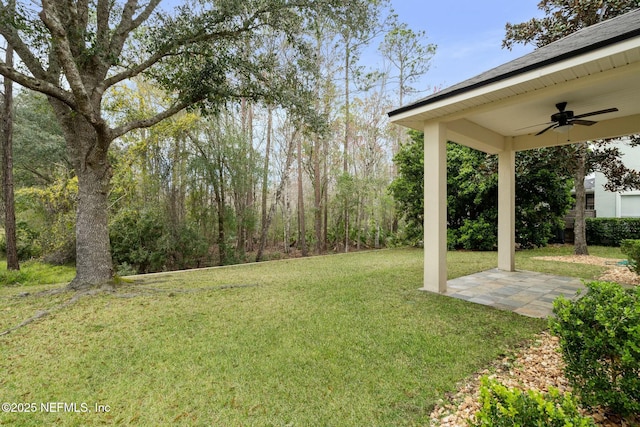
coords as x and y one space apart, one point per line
40 155
75 52
563 17
542 195
7 161
356 32
409 54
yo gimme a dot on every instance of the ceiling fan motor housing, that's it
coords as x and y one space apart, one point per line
562 117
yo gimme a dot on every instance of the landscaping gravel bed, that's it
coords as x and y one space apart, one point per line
537 367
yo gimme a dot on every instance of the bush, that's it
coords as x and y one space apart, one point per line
611 231
631 248
142 241
512 407
135 239
600 342
478 235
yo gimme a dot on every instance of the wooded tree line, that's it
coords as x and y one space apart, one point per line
218 132
210 134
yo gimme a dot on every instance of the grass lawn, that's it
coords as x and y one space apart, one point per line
344 340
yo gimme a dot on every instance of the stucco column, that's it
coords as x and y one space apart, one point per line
435 208
507 206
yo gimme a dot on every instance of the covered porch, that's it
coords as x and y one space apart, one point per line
504 110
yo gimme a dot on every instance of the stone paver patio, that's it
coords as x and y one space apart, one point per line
524 292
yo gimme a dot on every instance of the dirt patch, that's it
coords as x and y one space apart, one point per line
615 273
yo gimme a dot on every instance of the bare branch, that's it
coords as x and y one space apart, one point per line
128 24
38 85
49 17
148 122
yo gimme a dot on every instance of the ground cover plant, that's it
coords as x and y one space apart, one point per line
337 340
505 407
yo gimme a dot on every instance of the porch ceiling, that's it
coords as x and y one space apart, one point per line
520 104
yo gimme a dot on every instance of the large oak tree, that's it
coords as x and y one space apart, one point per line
75 51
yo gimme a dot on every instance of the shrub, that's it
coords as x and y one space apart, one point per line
142 241
478 235
511 407
600 342
135 239
631 248
611 231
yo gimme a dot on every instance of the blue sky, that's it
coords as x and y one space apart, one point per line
468 34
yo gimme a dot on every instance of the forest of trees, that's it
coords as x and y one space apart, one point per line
139 139
252 170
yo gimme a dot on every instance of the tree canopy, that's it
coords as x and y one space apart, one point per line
202 54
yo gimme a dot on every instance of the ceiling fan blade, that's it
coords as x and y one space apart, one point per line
546 129
535 126
594 113
583 122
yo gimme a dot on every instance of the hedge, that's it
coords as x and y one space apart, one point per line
611 231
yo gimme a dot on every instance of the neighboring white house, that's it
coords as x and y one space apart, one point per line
622 204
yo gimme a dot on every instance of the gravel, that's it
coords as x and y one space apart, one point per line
537 366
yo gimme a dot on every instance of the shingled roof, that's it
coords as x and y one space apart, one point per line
585 40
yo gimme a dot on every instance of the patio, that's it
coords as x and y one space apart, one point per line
524 292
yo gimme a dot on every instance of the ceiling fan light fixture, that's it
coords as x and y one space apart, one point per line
563 128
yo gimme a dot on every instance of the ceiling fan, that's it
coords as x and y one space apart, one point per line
565 118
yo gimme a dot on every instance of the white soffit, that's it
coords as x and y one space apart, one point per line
609 74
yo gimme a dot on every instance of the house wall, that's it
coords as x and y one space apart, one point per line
624 204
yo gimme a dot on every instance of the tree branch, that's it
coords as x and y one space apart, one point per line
148 122
102 18
20 47
50 18
37 85
128 23
167 49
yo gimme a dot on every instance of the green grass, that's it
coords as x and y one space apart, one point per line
338 340
343 340
35 273
525 261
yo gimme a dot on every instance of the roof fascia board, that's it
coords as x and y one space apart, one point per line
597 50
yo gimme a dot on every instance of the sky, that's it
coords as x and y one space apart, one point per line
468 34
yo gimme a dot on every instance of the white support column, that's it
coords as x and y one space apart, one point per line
507 207
435 208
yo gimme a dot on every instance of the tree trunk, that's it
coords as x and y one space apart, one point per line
345 166
579 229
264 225
325 194
317 196
218 188
7 166
302 229
89 157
